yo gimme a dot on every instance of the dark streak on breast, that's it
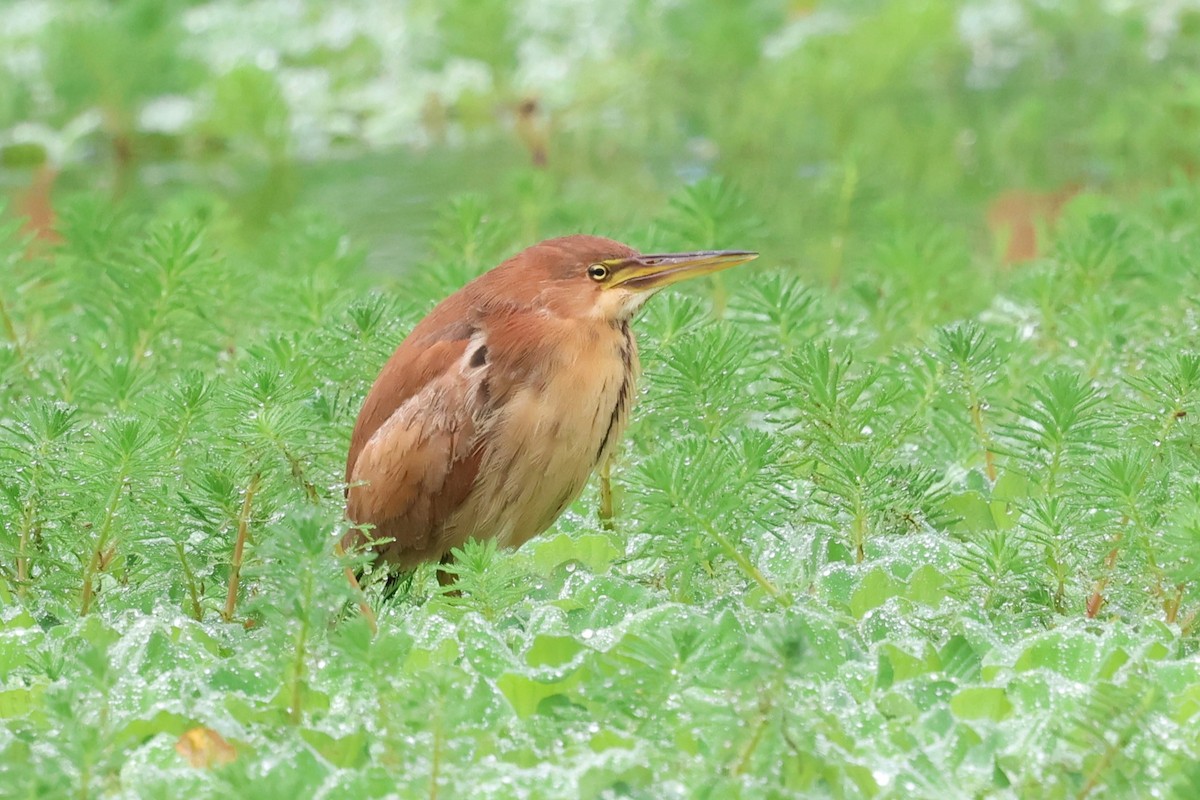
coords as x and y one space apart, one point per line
564 501
619 407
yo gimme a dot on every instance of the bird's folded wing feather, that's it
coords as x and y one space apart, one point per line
415 451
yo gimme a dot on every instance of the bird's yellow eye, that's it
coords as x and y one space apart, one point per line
597 272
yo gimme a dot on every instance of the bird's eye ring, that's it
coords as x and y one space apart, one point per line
597 272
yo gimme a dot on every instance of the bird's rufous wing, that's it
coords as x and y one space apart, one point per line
415 451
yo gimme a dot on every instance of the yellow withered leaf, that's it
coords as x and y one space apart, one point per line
204 748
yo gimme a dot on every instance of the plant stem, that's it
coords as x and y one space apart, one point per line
197 609
746 565
1172 604
239 547
436 765
29 524
606 496
10 330
97 561
760 727
89 572
858 533
299 658
1096 601
85 778
23 557
1114 748
1101 766
1052 472
981 433
363 606
1169 419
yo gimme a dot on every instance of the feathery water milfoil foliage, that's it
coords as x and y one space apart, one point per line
917 535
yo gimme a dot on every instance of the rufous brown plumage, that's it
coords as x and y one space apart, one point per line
491 415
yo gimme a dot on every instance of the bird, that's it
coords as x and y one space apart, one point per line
491 415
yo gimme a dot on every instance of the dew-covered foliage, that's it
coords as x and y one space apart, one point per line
899 514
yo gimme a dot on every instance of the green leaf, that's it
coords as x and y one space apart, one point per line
595 551
973 510
981 702
959 659
139 730
1186 704
608 739
904 665
837 585
446 651
873 591
552 651
1072 655
927 585
347 752
1112 662
525 694
895 704
1012 486
19 702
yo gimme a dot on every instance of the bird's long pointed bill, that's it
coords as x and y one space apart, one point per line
655 271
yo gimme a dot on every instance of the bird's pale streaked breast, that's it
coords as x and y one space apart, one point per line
546 440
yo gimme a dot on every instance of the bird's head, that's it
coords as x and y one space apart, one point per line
593 277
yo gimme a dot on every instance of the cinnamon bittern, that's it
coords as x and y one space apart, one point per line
490 416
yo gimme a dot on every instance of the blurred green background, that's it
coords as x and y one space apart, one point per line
838 120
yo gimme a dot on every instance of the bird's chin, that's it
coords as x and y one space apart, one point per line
632 301
619 304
